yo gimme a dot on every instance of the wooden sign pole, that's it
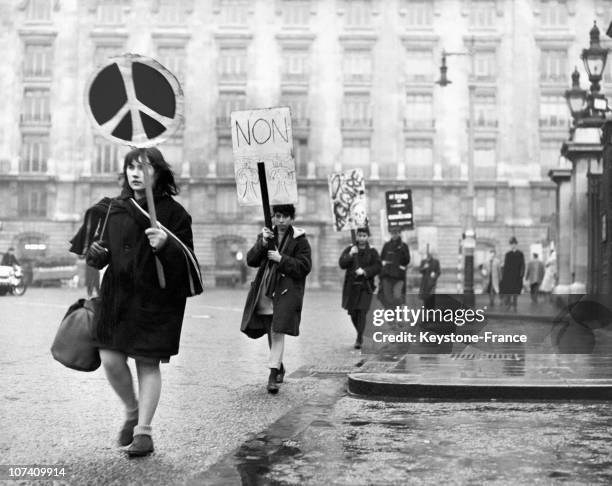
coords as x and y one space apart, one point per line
265 200
146 166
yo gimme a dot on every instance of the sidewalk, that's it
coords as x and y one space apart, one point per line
561 359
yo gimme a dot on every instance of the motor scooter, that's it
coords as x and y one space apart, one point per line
11 280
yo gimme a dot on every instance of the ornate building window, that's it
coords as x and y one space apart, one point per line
356 154
228 102
35 107
485 205
418 158
172 12
38 10
485 65
550 152
298 104
485 158
32 200
553 65
553 111
358 13
225 158
233 64
419 65
173 58
422 204
553 13
234 12
107 157
110 12
34 154
296 13
296 63
105 51
357 66
419 13
38 61
356 111
419 111
485 110
481 14
226 202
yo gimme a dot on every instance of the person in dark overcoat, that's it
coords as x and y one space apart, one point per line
512 275
274 303
395 257
138 316
362 263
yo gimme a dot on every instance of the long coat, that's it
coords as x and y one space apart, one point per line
430 271
493 275
512 273
288 280
357 290
397 254
136 316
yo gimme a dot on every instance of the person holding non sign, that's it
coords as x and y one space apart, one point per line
395 257
512 275
362 263
138 316
274 303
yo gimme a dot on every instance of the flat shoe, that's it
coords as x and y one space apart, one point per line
142 445
126 434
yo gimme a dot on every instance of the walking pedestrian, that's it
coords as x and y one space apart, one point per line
274 303
550 273
395 256
362 264
430 271
512 275
9 259
493 274
534 276
139 317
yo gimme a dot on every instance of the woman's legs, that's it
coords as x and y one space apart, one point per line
119 376
149 389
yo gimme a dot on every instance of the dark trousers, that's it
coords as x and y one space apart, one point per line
358 316
510 300
534 289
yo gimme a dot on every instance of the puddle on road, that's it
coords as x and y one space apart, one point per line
366 442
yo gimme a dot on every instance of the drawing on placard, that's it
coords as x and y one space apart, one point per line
281 178
347 193
247 181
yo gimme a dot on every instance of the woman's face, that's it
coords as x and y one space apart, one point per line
135 177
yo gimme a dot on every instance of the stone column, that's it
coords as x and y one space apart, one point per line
562 177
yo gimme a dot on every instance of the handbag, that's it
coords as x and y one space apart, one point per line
74 344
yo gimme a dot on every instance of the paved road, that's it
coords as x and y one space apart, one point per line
213 395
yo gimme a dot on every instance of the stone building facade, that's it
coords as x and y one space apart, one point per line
359 76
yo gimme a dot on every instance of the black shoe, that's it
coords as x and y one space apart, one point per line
142 445
272 384
280 376
126 434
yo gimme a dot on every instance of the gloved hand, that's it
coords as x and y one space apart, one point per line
97 255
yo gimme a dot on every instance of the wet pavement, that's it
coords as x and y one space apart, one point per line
365 442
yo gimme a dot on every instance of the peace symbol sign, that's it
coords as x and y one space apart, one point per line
134 100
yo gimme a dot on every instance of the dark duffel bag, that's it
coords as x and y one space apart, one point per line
73 345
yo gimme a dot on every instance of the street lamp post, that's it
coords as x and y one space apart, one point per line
469 236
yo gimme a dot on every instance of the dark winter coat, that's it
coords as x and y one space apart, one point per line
512 273
430 271
286 288
357 290
397 254
138 317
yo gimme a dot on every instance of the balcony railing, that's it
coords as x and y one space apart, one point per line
356 123
412 124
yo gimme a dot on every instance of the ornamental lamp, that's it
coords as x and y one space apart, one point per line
576 97
594 59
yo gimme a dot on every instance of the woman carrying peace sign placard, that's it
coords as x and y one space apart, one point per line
139 317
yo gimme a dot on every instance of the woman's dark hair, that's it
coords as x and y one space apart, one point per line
165 183
287 210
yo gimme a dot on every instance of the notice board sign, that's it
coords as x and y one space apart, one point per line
264 135
399 209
